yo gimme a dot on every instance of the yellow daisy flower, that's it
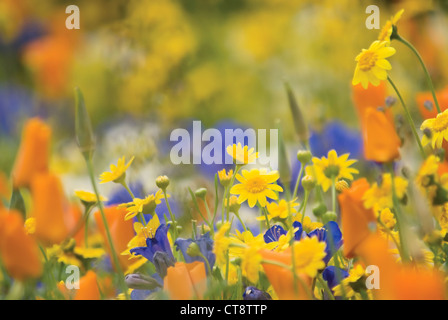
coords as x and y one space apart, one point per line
88 197
141 233
354 275
221 244
251 264
308 225
224 177
242 155
387 218
308 256
438 128
332 168
117 172
256 185
280 209
372 65
386 31
146 205
379 197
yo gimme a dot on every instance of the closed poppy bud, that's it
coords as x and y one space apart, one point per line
32 157
355 218
122 231
186 281
49 208
381 142
88 287
19 251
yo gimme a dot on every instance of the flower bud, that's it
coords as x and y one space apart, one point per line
141 282
320 210
304 156
193 250
83 126
342 185
329 216
162 261
201 193
162 182
308 183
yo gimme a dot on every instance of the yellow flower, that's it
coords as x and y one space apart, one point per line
256 185
141 233
427 171
379 197
88 197
242 155
308 256
280 209
354 275
221 244
372 64
387 218
89 253
224 177
308 225
117 173
251 264
147 205
438 128
386 31
30 225
332 169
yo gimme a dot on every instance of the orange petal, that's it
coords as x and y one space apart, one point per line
185 281
88 287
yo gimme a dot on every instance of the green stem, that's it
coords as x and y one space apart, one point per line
299 176
305 201
106 227
237 168
428 76
324 285
408 118
399 217
172 216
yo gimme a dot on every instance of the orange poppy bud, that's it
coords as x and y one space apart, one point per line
49 208
422 97
281 279
32 157
186 281
88 287
370 98
19 251
354 217
381 142
122 231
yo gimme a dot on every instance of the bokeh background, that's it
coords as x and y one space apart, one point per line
147 67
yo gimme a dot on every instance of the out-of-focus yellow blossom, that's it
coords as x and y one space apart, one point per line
308 256
308 225
251 264
379 197
387 218
280 210
242 155
386 31
427 171
372 65
255 186
30 225
438 130
354 275
146 205
117 172
333 168
88 197
221 244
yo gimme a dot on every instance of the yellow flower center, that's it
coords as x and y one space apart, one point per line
367 60
256 185
441 122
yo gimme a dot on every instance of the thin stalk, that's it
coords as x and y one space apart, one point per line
172 216
299 176
324 285
408 118
428 76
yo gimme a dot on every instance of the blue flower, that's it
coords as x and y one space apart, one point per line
205 246
158 243
337 136
121 195
252 293
333 243
329 275
276 231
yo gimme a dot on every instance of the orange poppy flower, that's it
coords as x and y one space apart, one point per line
370 98
88 287
442 98
354 217
381 142
49 208
32 157
19 251
281 279
186 281
122 231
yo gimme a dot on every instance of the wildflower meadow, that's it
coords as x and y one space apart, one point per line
245 150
